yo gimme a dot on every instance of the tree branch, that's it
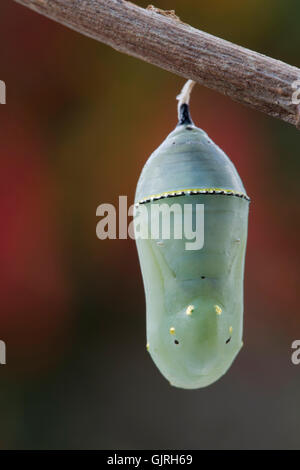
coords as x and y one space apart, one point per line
160 38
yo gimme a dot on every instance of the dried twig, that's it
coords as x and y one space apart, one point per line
253 79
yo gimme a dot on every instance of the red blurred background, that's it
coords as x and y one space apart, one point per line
79 123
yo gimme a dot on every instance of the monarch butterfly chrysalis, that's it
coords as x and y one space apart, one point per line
194 299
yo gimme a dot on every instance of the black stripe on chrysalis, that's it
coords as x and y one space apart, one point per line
184 115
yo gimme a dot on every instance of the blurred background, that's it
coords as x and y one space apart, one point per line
80 121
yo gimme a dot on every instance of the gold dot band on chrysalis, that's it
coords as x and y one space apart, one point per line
191 192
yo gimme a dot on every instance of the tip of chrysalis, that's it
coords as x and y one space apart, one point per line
184 118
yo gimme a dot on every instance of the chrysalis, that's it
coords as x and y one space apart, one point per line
194 298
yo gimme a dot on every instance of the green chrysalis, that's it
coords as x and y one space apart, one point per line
194 298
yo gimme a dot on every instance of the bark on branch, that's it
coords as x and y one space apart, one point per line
160 38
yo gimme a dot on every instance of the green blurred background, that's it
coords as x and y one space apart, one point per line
80 121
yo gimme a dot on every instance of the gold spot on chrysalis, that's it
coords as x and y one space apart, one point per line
190 309
172 330
230 329
218 310
147 346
